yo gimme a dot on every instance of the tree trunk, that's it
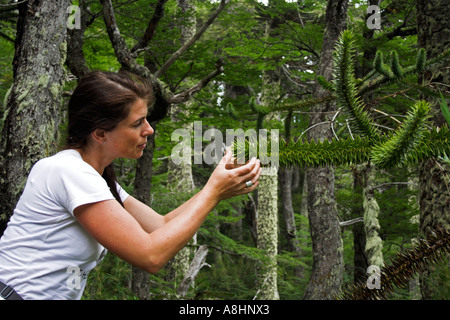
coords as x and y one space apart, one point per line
75 56
327 272
267 201
433 27
359 235
374 244
359 172
142 189
180 178
267 235
285 177
32 112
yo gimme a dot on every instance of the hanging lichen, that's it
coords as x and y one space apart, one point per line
374 244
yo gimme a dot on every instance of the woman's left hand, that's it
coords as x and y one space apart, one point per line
230 179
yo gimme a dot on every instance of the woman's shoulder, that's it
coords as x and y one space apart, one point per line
65 160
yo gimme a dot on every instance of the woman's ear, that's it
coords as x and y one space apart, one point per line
99 136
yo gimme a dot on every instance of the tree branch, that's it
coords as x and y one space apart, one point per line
5 36
12 4
350 222
185 95
197 263
123 54
399 32
150 32
129 63
191 41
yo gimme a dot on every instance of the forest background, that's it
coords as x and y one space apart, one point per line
222 63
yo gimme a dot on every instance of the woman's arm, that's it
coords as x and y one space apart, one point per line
151 220
145 239
118 231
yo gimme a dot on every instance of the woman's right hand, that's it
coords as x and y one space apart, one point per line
229 179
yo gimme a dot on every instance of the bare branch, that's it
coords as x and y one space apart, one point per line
12 4
5 36
128 62
185 96
197 263
123 54
350 222
191 41
150 32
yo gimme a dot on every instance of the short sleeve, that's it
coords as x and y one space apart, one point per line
122 193
80 184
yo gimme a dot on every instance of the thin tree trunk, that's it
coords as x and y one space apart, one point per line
142 192
75 56
267 203
267 235
359 173
327 272
359 235
180 178
32 112
374 244
434 195
285 177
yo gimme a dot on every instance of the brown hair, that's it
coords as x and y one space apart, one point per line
100 101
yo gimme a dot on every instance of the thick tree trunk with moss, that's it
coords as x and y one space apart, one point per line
433 25
326 277
32 112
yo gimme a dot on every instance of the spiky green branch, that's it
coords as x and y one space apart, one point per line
403 267
301 153
345 84
405 140
408 145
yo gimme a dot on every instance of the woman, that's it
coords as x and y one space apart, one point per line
72 209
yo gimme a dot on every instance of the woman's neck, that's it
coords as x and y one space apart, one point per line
95 158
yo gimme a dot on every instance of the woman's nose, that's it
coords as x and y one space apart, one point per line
148 130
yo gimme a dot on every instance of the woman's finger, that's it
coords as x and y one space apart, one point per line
253 176
247 168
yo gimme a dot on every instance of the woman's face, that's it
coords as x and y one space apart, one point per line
129 138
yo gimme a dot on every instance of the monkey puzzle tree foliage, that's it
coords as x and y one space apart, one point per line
411 143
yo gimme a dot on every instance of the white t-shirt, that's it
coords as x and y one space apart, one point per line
45 253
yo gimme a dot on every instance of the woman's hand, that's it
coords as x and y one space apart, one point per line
229 179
